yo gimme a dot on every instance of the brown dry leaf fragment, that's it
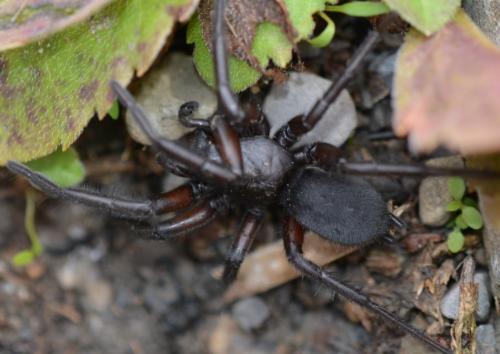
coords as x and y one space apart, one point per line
385 262
358 314
465 324
24 21
447 89
242 18
268 266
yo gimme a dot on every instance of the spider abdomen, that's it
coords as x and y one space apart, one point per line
345 210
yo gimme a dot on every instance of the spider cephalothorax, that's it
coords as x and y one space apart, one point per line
311 184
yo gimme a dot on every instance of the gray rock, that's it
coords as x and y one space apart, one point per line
486 14
80 273
384 65
451 300
250 313
433 193
164 89
297 95
485 337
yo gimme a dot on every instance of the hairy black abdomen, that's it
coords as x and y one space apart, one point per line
342 209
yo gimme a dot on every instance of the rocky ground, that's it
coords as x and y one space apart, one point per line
97 288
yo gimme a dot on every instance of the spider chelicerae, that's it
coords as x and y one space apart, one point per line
230 167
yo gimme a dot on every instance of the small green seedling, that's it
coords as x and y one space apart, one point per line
65 169
468 215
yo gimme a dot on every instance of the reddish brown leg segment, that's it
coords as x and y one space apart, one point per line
178 198
187 221
293 239
241 244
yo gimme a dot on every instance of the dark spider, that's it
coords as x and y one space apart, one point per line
310 184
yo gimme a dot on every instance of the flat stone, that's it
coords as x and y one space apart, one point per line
251 313
164 89
433 193
451 300
297 96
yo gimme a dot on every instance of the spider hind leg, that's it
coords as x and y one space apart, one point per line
293 238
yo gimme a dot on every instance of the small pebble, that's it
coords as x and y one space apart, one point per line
251 313
485 337
451 300
433 193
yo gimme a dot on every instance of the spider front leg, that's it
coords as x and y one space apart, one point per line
241 244
225 136
209 170
293 238
300 125
130 209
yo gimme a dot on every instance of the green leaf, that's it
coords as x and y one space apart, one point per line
51 88
360 8
64 168
428 16
241 74
326 36
460 222
456 241
456 187
454 205
114 111
301 15
271 43
472 217
23 258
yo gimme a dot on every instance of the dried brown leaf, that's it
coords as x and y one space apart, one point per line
24 21
268 266
446 89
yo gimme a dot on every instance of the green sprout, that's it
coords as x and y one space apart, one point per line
468 215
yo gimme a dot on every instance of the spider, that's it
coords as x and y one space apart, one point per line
229 167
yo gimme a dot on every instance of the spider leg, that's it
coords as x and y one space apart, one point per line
328 157
300 125
130 209
226 97
257 120
190 220
226 138
241 244
379 169
205 168
293 239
